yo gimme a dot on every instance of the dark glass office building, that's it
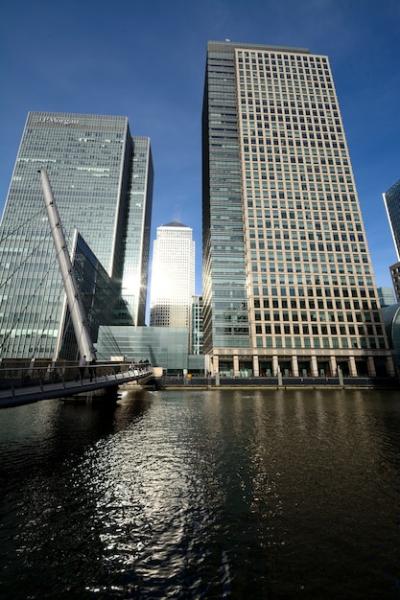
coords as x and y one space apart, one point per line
391 199
102 182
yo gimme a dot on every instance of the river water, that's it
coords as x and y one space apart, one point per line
214 494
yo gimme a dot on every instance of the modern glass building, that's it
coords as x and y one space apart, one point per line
100 295
165 347
196 326
391 317
288 281
91 165
386 296
136 240
395 274
391 199
172 277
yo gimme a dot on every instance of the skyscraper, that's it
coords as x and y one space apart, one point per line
136 239
391 199
288 282
196 326
102 182
172 278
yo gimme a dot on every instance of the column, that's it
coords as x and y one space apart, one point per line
275 365
235 365
207 364
333 366
391 371
314 366
256 368
352 366
371 366
295 366
215 364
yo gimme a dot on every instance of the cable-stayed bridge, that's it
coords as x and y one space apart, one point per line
26 385
29 383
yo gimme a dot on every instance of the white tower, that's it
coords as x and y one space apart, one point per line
172 284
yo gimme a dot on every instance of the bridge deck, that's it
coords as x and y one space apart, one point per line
26 395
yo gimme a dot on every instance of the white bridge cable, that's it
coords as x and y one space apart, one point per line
3 282
76 266
42 281
21 314
13 231
110 337
21 264
48 321
56 306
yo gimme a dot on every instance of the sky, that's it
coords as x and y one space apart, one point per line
146 60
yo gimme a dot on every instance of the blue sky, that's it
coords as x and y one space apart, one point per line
146 61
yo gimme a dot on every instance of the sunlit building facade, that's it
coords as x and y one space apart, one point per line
196 326
172 277
288 281
102 181
136 238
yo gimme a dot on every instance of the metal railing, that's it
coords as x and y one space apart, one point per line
275 382
12 378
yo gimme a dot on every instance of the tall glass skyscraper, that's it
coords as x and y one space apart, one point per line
136 239
102 182
172 277
288 281
196 326
391 199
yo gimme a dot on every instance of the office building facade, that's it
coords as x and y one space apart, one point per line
288 282
196 326
386 296
136 239
100 295
395 274
90 161
391 199
165 347
172 277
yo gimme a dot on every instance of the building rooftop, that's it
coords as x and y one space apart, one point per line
175 224
213 45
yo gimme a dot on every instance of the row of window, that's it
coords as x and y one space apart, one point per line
317 343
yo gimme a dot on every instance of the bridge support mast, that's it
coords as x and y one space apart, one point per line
75 305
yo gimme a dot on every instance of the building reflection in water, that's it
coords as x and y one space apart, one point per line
203 494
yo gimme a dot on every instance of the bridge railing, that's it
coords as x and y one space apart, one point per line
19 377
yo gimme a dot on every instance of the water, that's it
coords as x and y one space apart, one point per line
188 495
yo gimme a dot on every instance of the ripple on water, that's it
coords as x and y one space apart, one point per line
202 495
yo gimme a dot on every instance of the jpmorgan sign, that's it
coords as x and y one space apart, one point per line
58 121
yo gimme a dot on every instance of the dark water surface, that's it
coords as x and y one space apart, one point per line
223 494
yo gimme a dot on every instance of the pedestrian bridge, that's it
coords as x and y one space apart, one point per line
26 385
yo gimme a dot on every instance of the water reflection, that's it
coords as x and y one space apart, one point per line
202 495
